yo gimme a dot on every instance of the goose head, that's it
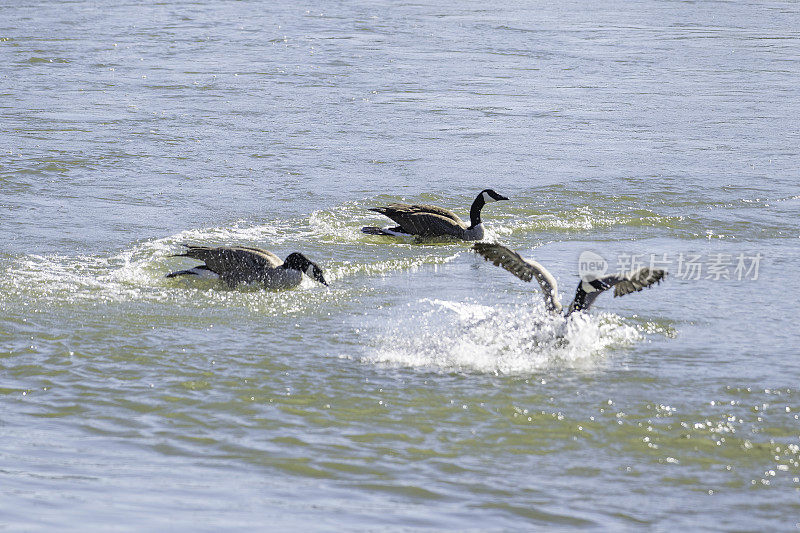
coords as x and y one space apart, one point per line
490 195
297 261
484 197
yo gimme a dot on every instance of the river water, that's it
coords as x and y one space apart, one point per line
425 389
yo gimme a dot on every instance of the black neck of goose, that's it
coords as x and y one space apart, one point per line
475 211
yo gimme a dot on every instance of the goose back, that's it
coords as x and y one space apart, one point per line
424 220
244 264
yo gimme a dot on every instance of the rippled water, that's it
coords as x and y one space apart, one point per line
425 388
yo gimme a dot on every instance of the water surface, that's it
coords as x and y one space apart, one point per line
425 388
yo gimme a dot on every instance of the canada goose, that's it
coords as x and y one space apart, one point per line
244 264
588 290
432 221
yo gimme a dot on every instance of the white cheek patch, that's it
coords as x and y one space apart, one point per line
310 271
487 199
587 287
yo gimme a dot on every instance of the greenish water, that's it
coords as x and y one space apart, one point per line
425 389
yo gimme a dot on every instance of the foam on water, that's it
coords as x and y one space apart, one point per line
341 224
467 336
138 272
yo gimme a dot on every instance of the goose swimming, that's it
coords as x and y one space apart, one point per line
244 264
432 221
588 289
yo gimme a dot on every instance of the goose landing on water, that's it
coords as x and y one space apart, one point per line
432 221
243 264
587 291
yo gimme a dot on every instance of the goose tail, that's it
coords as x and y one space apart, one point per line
179 273
201 271
374 230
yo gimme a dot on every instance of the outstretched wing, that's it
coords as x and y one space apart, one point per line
623 284
234 264
423 220
524 269
637 280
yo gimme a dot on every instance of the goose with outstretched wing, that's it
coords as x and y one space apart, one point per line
588 289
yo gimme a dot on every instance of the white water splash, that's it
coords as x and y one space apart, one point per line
464 336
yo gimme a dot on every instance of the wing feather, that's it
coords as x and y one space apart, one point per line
637 280
423 220
436 210
524 269
634 281
235 264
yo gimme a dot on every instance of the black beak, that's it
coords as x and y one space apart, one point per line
502 197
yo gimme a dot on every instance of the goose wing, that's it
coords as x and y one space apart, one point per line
234 264
272 259
623 284
637 280
424 220
524 269
436 210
